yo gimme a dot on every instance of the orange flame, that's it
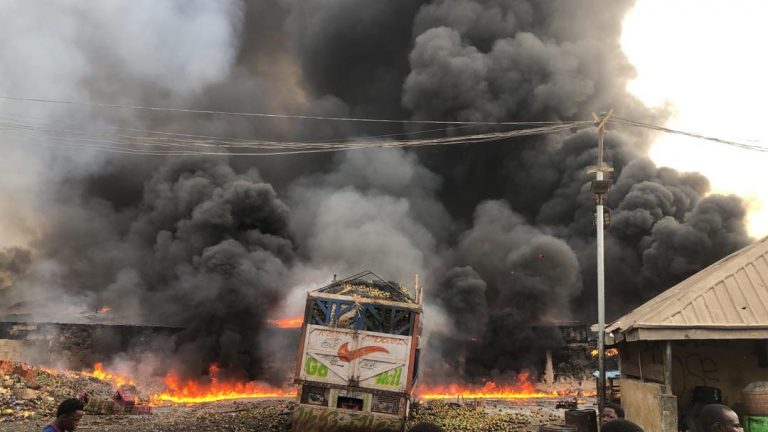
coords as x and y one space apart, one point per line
194 391
116 380
294 322
104 309
522 389
190 391
608 353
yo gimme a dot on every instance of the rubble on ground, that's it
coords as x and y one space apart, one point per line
223 416
456 417
29 397
274 416
28 392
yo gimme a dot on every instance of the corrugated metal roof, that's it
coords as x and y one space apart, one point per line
731 294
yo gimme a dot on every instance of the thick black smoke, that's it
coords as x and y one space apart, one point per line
502 232
205 249
14 262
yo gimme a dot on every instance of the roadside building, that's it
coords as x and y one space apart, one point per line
704 338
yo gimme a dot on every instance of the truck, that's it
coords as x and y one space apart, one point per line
358 356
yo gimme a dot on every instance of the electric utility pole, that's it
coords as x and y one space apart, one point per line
599 190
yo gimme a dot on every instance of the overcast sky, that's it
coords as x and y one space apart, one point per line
707 59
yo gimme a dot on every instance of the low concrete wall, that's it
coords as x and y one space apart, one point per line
71 345
12 350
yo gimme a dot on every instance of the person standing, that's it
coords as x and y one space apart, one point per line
718 418
611 412
68 416
620 425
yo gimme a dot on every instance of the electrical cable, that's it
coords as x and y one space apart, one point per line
264 115
12 117
154 142
69 138
754 147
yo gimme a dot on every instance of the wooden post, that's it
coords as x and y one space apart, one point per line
668 367
549 371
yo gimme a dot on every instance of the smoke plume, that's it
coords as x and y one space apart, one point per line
502 232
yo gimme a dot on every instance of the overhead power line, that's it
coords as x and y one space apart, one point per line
181 145
32 120
153 142
741 145
266 115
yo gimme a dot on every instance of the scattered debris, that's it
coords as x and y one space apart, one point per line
29 397
123 401
567 404
455 417
28 392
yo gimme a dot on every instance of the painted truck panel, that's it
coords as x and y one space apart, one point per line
314 419
372 360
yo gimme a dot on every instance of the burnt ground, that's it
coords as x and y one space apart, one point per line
273 415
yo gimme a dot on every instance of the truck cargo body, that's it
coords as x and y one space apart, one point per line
357 362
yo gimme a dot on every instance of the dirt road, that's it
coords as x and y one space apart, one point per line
273 416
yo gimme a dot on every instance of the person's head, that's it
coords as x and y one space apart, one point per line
426 427
620 425
69 413
611 412
718 418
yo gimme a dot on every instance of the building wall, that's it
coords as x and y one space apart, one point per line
73 345
644 395
641 403
643 360
727 365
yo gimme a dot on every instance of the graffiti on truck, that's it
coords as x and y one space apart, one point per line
346 355
390 378
307 419
314 368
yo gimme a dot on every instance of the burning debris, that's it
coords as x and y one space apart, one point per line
287 323
122 402
521 388
178 390
611 352
110 394
34 393
116 380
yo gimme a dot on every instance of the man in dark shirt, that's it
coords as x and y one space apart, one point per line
68 415
620 425
719 418
611 412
